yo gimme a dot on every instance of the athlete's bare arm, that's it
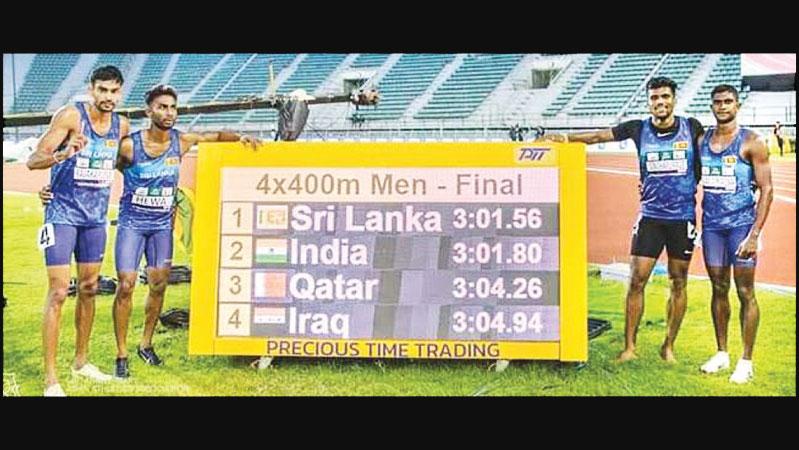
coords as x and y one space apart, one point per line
46 195
590 137
756 151
124 127
65 124
125 153
189 139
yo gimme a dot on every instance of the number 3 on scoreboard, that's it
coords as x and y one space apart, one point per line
235 286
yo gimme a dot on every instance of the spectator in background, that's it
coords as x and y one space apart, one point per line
778 134
514 132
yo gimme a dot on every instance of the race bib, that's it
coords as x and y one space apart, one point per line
46 236
666 162
98 172
155 198
719 179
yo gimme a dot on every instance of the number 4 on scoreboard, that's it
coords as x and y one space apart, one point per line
234 319
535 323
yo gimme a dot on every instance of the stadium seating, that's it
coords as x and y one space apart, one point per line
727 71
151 73
212 89
191 69
252 80
593 62
407 79
616 85
679 68
310 74
43 79
369 60
200 78
468 86
121 61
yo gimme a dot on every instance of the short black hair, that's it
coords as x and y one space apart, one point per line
158 90
659 82
107 73
724 88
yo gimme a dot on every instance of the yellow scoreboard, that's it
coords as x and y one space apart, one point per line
391 250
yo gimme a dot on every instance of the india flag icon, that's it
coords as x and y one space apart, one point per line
271 251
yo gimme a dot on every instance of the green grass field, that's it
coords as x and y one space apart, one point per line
25 285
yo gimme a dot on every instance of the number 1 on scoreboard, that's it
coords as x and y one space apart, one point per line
237 218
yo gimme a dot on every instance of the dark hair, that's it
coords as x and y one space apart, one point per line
107 73
724 88
659 82
158 90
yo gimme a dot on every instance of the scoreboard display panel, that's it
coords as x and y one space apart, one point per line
382 250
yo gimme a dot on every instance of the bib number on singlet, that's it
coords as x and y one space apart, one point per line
668 162
46 236
719 180
154 198
97 171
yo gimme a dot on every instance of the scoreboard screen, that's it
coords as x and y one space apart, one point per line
407 250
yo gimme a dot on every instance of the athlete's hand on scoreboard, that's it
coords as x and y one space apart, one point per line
552 138
252 141
45 195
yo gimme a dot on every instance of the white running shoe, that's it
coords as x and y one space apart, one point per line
92 372
54 390
720 360
744 372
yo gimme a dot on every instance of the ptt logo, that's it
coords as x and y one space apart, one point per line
532 153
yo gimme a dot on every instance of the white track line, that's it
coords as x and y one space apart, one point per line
613 171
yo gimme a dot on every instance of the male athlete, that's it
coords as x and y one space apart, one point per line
80 147
150 162
735 163
669 169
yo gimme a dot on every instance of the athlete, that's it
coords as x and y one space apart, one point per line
735 164
80 149
669 169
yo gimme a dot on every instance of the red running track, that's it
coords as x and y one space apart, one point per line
613 209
